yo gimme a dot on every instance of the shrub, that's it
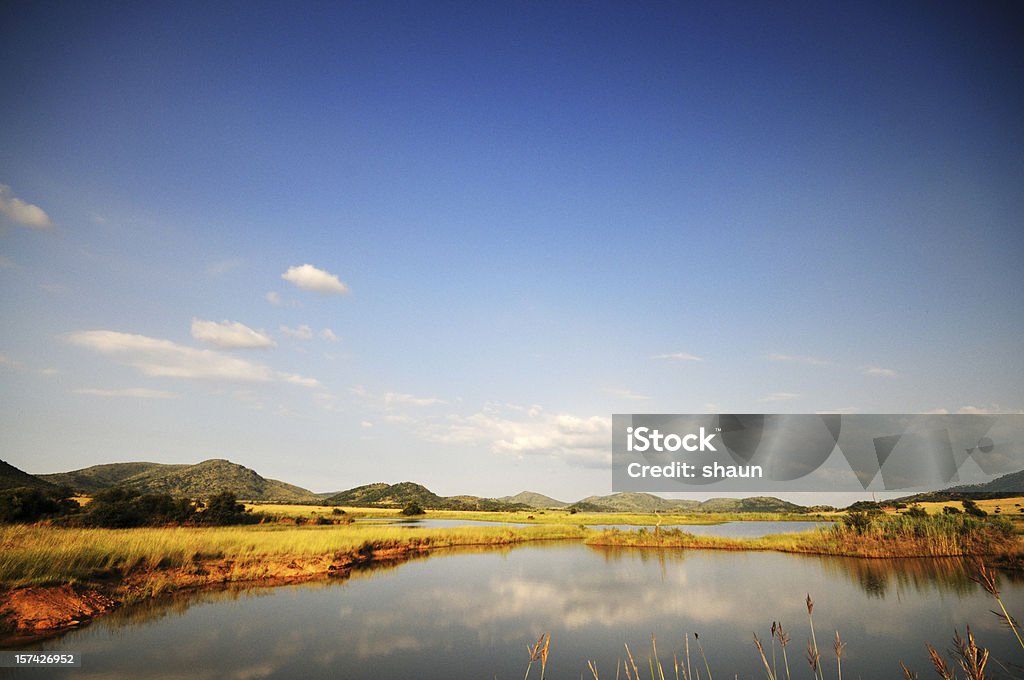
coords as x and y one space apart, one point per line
223 508
26 504
412 509
972 509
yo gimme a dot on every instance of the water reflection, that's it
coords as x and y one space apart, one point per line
469 614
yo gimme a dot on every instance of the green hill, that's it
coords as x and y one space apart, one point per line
752 504
13 478
534 500
1007 486
388 495
636 502
195 481
399 495
98 477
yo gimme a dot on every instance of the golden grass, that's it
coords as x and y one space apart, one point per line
535 516
38 555
886 536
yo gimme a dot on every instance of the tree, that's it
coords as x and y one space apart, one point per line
413 508
971 508
224 508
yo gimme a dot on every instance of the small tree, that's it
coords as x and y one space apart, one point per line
413 508
971 508
224 508
916 511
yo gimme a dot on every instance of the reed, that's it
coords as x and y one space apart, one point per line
884 536
42 555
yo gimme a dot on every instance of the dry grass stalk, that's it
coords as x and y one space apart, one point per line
940 665
986 578
838 645
764 659
972 658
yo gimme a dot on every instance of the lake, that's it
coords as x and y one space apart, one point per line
471 613
741 529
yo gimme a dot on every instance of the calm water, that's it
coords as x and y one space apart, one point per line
471 614
743 529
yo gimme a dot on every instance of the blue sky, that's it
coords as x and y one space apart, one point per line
518 219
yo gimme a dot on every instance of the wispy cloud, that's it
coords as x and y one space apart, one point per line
391 398
679 356
624 393
167 359
880 372
301 333
798 358
20 212
299 380
273 298
329 335
780 396
309 277
229 334
131 392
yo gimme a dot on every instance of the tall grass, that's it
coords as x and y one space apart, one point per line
882 536
39 555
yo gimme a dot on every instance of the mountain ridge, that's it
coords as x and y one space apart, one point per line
199 480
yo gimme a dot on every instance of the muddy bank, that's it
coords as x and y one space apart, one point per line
40 611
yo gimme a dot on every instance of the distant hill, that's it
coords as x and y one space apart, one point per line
635 502
195 481
752 504
401 494
1006 486
13 478
98 477
534 500
392 495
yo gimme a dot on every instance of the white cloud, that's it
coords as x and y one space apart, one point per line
273 298
229 334
163 358
577 440
993 409
366 423
301 333
398 398
780 396
624 393
309 277
679 356
329 335
798 358
133 392
879 372
299 380
21 212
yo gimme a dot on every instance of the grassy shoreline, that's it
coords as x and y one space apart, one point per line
54 577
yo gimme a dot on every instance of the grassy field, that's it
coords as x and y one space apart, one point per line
535 516
42 555
885 536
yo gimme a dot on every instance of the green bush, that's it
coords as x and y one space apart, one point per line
412 509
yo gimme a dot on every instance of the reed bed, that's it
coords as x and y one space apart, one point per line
882 536
42 555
